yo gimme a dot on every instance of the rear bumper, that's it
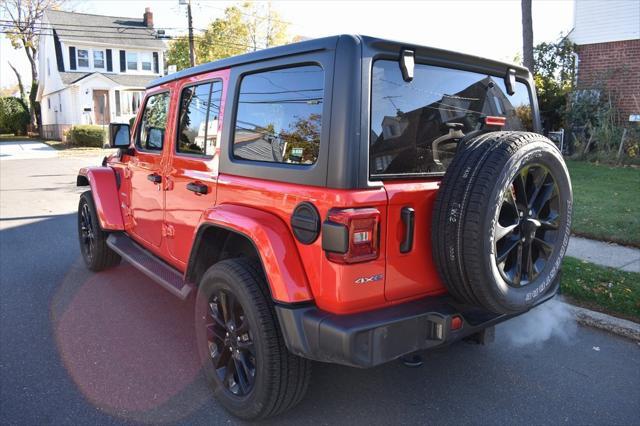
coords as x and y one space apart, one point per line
371 338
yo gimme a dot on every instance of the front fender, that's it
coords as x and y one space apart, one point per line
104 188
275 246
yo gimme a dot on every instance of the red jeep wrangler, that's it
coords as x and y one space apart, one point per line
348 200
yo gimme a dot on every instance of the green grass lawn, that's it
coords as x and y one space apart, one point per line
603 289
606 202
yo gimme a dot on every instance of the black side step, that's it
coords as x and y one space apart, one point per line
165 275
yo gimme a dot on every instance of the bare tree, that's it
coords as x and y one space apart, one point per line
20 85
25 16
527 35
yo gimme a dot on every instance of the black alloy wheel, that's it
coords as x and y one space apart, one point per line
230 344
525 234
87 232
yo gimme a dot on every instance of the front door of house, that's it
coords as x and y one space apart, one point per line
102 114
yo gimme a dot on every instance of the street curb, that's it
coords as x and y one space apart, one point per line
621 327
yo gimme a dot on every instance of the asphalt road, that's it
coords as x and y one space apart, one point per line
114 348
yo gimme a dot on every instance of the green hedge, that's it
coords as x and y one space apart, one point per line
87 135
14 116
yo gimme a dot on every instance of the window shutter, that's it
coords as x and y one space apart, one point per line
156 64
123 61
117 93
72 57
109 61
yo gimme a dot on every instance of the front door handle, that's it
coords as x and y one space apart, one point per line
154 177
198 188
408 216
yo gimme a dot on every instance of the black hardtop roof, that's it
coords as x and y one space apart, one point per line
327 43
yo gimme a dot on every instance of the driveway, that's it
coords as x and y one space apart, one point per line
115 348
25 149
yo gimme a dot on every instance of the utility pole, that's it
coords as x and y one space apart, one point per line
192 56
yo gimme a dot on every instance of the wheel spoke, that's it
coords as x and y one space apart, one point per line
538 184
241 374
214 332
518 274
225 307
543 197
222 357
545 246
520 184
507 248
551 222
503 231
215 314
527 261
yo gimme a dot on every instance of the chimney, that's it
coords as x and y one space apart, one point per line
148 17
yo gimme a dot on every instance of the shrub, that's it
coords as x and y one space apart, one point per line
87 135
14 116
131 121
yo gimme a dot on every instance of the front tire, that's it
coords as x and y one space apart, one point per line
96 253
243 355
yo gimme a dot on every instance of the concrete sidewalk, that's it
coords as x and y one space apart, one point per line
605 254
25 150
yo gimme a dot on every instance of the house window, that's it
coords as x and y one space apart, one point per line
129 102
145 61
49 103
48 67
83 58
132 61
98 59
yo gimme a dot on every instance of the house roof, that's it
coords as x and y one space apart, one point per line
139 81
84 27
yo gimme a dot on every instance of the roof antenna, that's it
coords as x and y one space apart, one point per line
406 64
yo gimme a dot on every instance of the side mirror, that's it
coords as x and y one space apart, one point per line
155 136
119 135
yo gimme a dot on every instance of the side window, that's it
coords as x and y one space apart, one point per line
279 116
154 122
198 125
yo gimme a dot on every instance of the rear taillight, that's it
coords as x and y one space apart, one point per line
351 235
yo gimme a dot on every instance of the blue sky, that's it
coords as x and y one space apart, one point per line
485 28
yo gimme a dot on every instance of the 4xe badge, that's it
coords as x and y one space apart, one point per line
372 278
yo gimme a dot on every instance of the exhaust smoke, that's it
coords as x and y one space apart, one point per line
551 319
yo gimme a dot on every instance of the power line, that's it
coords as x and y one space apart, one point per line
111 36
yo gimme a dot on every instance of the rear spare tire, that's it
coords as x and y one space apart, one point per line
502 220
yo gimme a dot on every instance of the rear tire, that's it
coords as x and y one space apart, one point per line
262 379
96 253
502 221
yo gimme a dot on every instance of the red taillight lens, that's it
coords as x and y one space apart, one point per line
361 229
493 120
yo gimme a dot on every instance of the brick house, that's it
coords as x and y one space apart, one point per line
607 38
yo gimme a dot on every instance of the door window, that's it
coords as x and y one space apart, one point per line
198 125
154 122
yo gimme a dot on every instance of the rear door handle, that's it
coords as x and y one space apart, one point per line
408 216
154 177
198 188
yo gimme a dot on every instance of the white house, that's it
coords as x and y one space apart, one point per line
93 69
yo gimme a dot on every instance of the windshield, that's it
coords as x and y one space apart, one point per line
416 125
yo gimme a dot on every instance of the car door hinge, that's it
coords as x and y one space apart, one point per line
168 230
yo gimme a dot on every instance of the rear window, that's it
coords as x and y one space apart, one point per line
409 120
279 116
